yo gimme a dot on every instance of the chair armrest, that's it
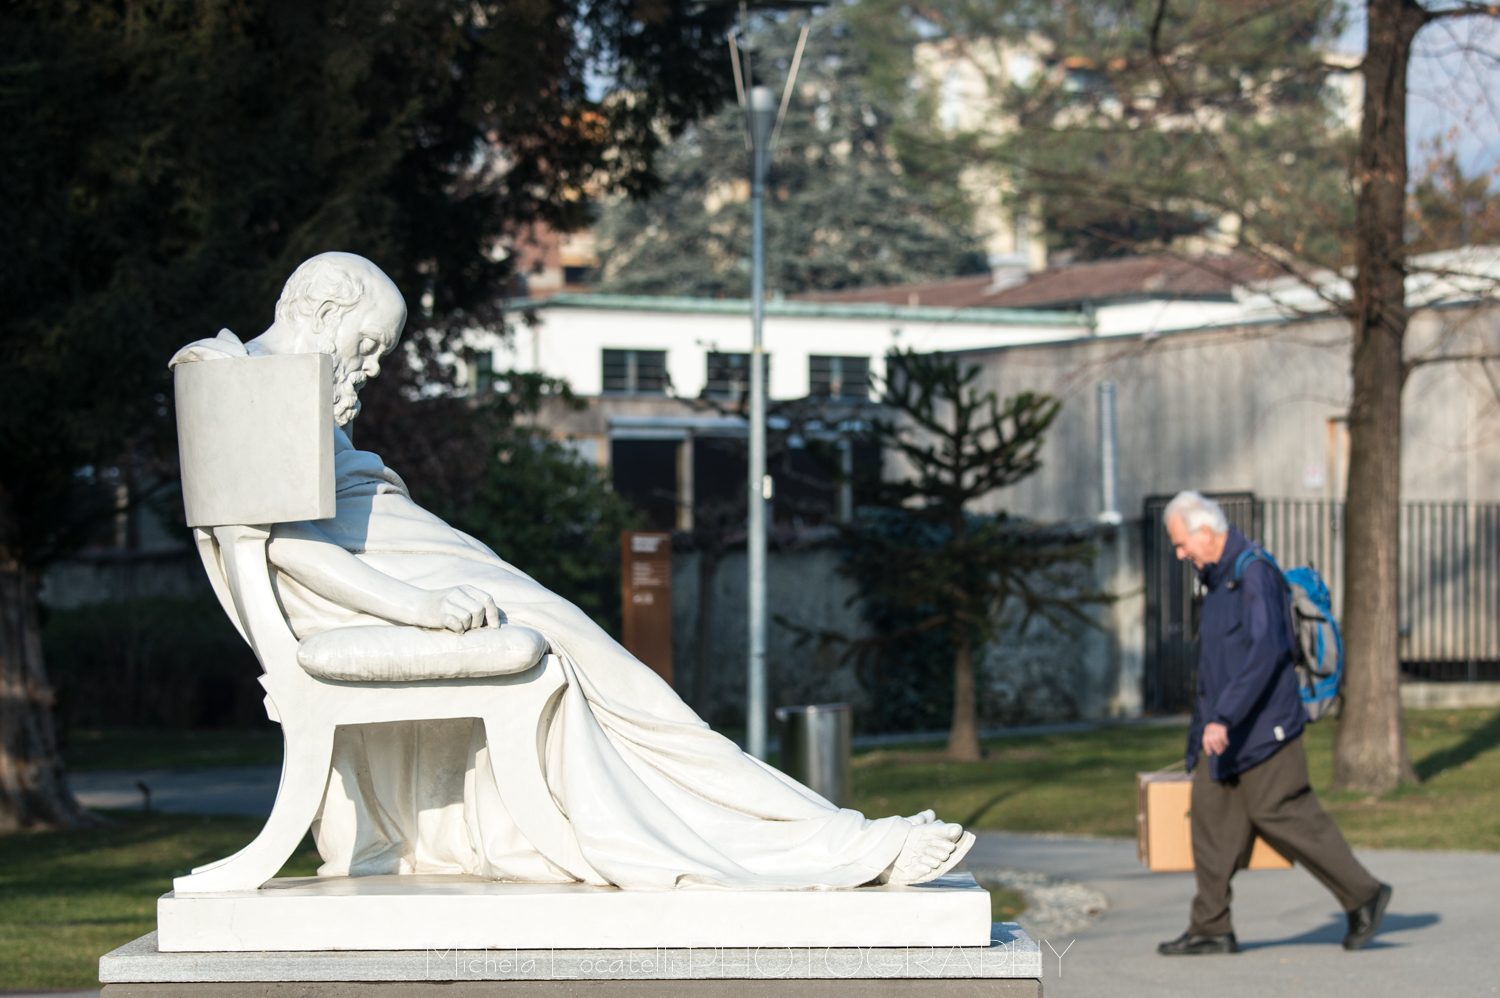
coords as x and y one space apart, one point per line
406 654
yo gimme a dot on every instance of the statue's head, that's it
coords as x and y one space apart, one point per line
342 305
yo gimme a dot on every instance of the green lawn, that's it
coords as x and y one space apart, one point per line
89 750
1085 783
1005 903
67 898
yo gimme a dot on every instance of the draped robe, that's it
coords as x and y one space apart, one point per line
655 798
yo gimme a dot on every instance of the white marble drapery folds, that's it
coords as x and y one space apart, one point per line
653 796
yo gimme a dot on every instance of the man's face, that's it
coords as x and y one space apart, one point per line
360 337
1201 546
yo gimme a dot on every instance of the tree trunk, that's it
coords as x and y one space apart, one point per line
34 790
709 556
963 736
1370 754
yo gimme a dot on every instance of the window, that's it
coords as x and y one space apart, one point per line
728 375
838 377
482 374
635 372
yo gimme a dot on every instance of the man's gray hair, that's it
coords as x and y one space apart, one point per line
1196 510
319 281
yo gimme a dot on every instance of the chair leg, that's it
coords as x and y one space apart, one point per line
515 736
304 778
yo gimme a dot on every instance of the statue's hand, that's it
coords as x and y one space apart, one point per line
459 609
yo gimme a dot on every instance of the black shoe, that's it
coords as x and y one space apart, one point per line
1188 944
1364 921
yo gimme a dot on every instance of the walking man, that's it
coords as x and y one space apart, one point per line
1247 722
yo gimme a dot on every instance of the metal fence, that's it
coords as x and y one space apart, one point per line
1450 590
1449 565
1299 532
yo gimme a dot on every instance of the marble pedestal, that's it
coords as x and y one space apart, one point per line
397 936
441 913
1008 966
1029 987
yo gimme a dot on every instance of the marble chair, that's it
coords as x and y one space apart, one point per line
256 443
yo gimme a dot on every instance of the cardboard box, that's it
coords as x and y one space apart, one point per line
1163 829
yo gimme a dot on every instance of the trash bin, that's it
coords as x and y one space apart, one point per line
815 748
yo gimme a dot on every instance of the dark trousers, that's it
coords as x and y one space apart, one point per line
1275 800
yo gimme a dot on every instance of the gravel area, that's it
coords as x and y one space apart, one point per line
1055 908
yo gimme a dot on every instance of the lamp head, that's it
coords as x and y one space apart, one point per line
762 115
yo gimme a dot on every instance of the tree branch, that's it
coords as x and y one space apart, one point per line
1464 10
1452 358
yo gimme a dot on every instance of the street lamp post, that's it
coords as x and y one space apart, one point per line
764 117
762 112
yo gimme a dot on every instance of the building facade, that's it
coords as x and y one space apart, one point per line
663 382
1255 407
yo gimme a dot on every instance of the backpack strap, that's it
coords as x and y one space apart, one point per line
1253 553
1257 553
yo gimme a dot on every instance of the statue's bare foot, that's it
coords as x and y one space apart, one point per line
931 849
923 817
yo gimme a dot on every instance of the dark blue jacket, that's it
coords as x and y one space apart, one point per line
1246 678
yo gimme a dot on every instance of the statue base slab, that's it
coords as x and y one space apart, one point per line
430 912
1010 957
1015 987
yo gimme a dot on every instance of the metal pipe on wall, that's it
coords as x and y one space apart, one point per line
1109 456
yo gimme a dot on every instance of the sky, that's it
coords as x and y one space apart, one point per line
1453 88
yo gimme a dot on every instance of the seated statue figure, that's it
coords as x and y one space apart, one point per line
656 799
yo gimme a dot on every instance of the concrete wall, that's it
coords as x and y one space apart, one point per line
1033 673
1042 672
804 589
113 576
1039 673
1257 408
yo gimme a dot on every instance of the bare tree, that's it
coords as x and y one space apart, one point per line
1371 750
33 785
1164 126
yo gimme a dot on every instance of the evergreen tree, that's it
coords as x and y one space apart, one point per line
842 210
935 578
167 163
1088 125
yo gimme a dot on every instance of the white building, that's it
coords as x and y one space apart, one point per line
656 372
639 345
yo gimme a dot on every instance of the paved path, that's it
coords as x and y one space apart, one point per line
1438 937
247 790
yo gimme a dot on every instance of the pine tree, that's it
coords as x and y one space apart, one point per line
930 571
842 210
1090 128
167 164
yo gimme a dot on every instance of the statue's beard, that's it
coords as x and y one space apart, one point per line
345 394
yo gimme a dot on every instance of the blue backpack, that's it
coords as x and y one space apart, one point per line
1317 647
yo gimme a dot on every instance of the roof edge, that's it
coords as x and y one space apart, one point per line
791 308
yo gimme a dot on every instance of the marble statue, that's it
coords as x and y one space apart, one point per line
655 798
